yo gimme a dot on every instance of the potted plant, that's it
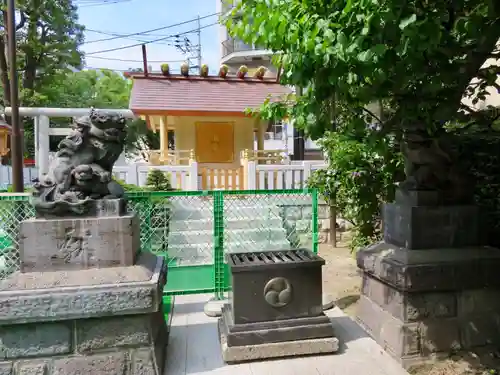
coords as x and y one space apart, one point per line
259 73
242 71
204 70
165 69
185 69
223 71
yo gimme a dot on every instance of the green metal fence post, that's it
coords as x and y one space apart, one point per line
314 196
218 197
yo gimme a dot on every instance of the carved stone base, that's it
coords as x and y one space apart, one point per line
431 227
78 243
421 303
97 321
280 338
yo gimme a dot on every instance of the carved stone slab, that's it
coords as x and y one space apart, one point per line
78 243
428 227
97 321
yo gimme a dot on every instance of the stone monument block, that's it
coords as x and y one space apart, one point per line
86 301
78 243
430 288
94 321
430 227
275 308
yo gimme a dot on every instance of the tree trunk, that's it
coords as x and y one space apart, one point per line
4 72
333 224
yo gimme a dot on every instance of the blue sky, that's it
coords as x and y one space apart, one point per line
139 15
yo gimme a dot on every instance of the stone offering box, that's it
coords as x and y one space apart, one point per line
86 301
275 307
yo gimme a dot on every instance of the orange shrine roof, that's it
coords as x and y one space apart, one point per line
156 93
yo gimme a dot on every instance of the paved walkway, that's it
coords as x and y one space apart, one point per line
194 349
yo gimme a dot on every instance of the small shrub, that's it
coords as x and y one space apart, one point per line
158 180
128 187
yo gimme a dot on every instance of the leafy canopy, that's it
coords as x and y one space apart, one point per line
418 56
368 69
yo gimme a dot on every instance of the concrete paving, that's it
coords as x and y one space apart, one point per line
194 349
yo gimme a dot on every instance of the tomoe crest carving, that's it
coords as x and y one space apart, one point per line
278 292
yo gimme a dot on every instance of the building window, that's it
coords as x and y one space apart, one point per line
275 130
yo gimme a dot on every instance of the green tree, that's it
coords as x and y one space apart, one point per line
99 89
86 88
417 58
48 37
158 180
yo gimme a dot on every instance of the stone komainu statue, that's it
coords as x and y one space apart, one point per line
81 170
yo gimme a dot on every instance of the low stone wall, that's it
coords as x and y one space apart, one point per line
96 321
114 345
297 220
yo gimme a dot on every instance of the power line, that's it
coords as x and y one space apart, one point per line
91 4
120 36
114 70
124 36
111 33
97 4
139 61
125 70
151 41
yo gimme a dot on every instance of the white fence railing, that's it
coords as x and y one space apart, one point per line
29 173
189 177
276 176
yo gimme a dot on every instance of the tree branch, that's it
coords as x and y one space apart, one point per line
372 114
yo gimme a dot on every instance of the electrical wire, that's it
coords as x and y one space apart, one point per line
124 37
138 61
92 4
111 33
151 41
125 70
142 33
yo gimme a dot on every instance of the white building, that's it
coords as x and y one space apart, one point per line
234 53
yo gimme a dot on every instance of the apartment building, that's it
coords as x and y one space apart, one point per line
234 53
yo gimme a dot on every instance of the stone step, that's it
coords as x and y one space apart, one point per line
191 253
231 223
268 234
250 212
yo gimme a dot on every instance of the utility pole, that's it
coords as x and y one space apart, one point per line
16 138
298 137
199 43
193 52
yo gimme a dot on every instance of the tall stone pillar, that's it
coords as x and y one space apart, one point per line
86 301
429 287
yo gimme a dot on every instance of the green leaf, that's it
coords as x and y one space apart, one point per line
407 21
379 49
365 56
341 38
348 6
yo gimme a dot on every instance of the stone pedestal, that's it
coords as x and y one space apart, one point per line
275 309
429 288
74 318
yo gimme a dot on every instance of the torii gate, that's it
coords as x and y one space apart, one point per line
43 131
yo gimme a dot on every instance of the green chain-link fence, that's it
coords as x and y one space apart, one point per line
194 230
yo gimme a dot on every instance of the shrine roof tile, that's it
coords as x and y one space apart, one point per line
201 94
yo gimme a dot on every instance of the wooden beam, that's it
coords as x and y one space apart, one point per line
159 112
163 139
65 112
151 123
260 134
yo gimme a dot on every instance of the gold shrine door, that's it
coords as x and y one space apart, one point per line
215 145
214 142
